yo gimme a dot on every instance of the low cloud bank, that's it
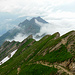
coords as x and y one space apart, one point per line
20 37
62 26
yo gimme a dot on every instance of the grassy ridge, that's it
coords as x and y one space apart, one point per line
15 61
21 58
59 55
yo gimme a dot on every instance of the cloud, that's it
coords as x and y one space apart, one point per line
8 19
51 10
62 26
48 9
20 37
30 6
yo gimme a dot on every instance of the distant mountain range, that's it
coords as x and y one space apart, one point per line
8 21
26 27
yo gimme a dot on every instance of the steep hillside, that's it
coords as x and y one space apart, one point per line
7 48
27 27
52 55
60 51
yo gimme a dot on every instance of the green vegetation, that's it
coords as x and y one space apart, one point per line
16 60
20 57
59 55
6 43
37 69
25 45
74 59
30 51
7 48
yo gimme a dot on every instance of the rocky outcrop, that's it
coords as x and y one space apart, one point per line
30 37
64 41
56 47
57 36
25 40
69 43
9 55
72 66
18 70
51 51
7 48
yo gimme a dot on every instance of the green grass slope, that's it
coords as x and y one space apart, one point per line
59 54
30 52
22 58
37 69
7 48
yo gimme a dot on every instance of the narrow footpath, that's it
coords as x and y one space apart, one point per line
56 66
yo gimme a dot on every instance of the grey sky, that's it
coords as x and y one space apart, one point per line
39 7
60 12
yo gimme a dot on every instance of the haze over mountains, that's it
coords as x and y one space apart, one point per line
51 55
8 21
35 26
37 37
24 29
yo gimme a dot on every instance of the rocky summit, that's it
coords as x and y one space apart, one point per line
26 27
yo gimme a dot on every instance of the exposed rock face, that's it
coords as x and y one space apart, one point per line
30 37
64 41
51 50
7 48
57 36
0 62
70 64
9 56
65 63
18 70
26 27
56 47
45 52
25 40
72 67
69 43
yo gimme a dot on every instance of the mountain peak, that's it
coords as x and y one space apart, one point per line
26 27
38 19
26 20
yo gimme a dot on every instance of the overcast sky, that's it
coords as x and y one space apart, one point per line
49 9
61 12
